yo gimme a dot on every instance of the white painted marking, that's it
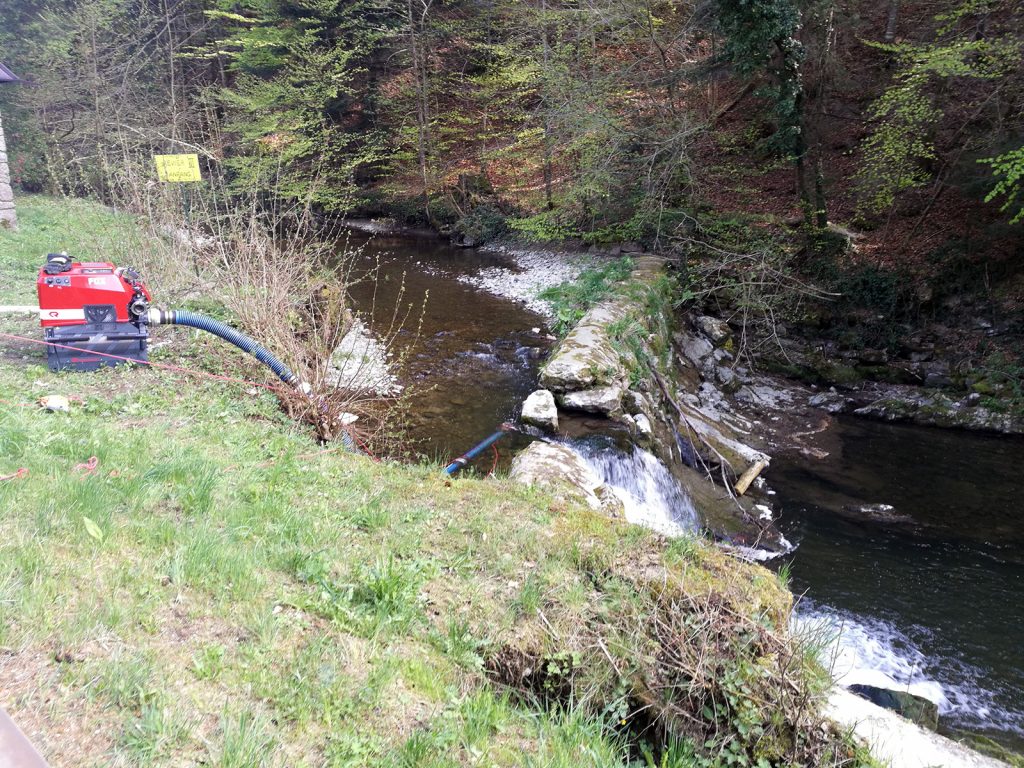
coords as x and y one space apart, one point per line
62 314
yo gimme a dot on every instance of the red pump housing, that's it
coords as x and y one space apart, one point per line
92 313
87 292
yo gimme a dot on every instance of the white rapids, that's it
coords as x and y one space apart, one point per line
650 495
870 651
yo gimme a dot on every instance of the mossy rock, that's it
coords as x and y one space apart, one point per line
586 358
889 374
987 387
693 641
916 709
839 374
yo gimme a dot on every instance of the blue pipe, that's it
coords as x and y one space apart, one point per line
229 334
476 450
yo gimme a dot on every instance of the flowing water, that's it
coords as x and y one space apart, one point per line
929 601
470 359
649 494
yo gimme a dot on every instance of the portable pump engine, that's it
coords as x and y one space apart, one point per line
91 307
95 314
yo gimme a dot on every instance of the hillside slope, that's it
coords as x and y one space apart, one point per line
190 579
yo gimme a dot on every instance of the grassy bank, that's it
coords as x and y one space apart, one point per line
215 588
51 225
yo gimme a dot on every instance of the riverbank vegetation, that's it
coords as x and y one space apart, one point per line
192 578
569 301
875 146
606 120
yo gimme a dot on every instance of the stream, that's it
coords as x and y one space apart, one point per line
470 358
931 602
928 602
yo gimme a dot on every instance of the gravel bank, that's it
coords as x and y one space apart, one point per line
534 271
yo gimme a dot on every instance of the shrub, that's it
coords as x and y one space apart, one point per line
482 224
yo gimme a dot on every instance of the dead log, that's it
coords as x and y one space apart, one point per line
749 476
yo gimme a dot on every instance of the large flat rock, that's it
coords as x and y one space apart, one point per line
897 742
586 358
560 470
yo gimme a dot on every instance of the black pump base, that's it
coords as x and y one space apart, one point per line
124 340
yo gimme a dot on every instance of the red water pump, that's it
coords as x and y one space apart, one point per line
92 307
95 314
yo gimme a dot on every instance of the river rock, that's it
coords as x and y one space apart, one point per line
917 709
539 409
884 514
936 409
695 349
561 470
894 741
716 331
360 363
643 425
727 380
937 380
830 401
603 400
635 402
586 357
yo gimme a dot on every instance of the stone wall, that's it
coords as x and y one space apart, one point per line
8 216
632 377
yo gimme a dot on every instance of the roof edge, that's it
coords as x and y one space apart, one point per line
7 76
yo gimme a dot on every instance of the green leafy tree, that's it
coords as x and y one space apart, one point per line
762 37
943 88
1008 169
108 89
897 154
293 94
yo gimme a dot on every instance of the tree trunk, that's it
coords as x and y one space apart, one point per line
820 204
788 75
749 476
547 106
800 161
894 18
8 216
98 116
172 90
419 68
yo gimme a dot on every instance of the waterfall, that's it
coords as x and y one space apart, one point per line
869 650
650 495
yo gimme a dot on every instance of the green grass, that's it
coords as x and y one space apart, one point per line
208 596
571 300
243 613
51 225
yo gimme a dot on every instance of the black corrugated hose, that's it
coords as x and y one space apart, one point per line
229 334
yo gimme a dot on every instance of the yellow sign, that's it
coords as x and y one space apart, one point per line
175 168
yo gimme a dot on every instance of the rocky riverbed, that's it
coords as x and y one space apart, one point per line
530 272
